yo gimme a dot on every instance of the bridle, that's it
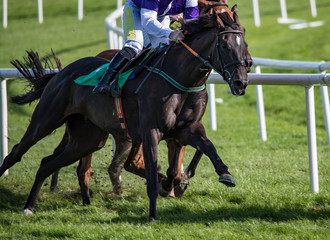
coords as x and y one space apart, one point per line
206 9
223 71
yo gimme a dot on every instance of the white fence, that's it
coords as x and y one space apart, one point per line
40 11
307 80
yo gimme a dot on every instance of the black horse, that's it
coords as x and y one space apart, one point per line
135 163
151 115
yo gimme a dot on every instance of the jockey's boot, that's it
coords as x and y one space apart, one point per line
118 61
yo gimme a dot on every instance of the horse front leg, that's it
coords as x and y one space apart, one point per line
196 137
222 170
150 147
122 150
190 170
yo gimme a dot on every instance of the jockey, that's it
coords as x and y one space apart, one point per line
149 17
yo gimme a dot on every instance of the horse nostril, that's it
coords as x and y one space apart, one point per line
238 84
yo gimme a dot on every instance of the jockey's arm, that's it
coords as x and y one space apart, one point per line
152 26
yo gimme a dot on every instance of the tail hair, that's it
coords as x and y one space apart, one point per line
32 69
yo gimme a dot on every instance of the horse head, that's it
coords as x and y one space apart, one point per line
222 40
232 57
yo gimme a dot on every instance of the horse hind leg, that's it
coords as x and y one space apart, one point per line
84 173
43 122
181 185
181 181
64 141
135 163
77 147
87 133
28 140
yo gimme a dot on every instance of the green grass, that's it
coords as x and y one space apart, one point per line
272 199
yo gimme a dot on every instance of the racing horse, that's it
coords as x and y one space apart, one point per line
135 164
152 114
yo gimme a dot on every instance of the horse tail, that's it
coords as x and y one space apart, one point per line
32 69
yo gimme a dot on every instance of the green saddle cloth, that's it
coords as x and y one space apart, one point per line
94 77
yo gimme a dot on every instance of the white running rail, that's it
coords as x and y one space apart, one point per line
307 80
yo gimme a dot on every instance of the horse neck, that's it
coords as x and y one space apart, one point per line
186 68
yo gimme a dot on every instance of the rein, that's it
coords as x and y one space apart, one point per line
223 67
173 82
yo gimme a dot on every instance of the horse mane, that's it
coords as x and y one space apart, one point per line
208 21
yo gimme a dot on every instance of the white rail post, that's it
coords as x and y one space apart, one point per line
212 109
5 13
311 132
313 8
40 12
261 109
256 13
4 122
80 9
119 3
326 110
284 12
326 107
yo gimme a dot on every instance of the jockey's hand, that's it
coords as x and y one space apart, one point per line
177 18
176 35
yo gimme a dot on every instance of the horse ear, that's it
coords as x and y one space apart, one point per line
234 9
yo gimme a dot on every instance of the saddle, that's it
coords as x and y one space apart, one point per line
129 71
135 66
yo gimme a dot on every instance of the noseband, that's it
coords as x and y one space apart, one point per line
223 71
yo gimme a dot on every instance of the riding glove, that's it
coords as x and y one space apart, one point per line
176 35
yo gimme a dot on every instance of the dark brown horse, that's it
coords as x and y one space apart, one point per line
151 115
136 163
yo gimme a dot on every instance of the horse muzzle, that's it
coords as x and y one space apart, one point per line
238 86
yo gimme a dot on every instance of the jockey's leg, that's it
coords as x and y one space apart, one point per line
118 61
133 45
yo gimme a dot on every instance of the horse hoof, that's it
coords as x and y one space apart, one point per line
181 188
163 192
26 212
227 179
118 190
